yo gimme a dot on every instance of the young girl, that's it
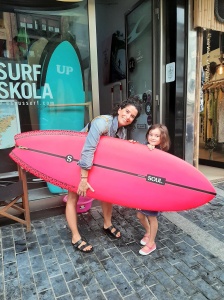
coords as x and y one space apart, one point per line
157 136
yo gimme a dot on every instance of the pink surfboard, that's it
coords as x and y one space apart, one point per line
123 173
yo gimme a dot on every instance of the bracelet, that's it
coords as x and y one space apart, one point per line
84 176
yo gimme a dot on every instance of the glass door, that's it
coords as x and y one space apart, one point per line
139 43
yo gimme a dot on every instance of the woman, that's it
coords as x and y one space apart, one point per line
123 116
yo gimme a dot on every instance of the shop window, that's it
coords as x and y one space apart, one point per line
44 73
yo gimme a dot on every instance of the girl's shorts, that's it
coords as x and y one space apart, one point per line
150 213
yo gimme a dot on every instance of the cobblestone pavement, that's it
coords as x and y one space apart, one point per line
43 265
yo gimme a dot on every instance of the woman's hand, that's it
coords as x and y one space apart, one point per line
133 141
151 147
83 187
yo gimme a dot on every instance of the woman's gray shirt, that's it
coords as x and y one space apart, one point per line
101 125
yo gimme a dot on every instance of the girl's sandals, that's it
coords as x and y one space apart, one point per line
147 249
112 233
83 247
144 240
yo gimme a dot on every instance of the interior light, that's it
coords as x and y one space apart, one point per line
220 69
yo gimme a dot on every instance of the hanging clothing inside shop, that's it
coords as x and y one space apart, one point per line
213 111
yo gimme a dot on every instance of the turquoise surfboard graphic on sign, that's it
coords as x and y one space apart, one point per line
61 88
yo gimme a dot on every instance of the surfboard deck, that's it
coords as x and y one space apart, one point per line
133 177
64 75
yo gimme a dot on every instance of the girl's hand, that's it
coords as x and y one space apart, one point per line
151 147
138 208
83 187
132 141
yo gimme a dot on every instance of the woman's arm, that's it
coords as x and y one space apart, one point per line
98 127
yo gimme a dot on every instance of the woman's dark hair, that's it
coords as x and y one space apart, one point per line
133 101
165 138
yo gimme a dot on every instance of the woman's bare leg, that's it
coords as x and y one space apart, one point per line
107 214
71 216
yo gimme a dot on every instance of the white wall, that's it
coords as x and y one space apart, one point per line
110 17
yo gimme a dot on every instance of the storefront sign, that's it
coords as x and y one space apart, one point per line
13 89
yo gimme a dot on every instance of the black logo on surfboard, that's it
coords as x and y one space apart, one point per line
156 179
69 158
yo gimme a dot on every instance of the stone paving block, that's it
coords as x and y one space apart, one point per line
12 290
186 271
47 252
165 280
127 271
7 242
206 289
41 281
167 267
219 287
94 292
10 271
22 260
29 292
20 246
43 239
159 291
116 255
18 234
134 260
104 281
77 259
86 276
114 295
25 276
31 237
77 290
37 263
52 267
59 286
101 254
1 284
33 249
6 231
198 296
39 227
187 286
62 256
204 252
178 294
93 263
150 263
144 293
122 285
56 242
146 277
205 263
46 295
9 255
110 267
69 272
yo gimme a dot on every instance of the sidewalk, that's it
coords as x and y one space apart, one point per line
188 262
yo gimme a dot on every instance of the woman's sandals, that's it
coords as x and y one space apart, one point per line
110 233
81 248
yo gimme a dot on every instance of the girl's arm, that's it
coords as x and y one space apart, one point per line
151 147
